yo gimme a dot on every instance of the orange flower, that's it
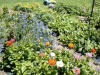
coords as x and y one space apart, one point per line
70 45
38 40
47 43
52 61
93 50
8 42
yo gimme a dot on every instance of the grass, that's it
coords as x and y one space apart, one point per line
79 3
85 4
12 3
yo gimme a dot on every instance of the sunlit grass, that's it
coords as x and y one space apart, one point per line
11 3
85 4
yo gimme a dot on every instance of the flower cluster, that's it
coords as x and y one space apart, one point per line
10 42
53 61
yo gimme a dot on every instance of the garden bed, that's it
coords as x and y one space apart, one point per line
31 42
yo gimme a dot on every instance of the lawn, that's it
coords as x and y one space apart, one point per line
86 4
11 3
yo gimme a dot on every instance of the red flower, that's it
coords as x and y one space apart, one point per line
52 61
93 50
9 43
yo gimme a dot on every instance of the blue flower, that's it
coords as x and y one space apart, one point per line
40 50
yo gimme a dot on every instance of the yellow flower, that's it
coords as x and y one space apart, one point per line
19 3
31 14
27 5
54 12
52 0
43 10
32 6
38 4
47 43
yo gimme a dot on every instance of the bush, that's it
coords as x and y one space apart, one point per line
5 27
69 9
27 7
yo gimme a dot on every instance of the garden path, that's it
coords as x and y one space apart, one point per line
94 63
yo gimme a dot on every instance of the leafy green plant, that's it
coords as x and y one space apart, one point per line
69 9
5 10
5 25
71 29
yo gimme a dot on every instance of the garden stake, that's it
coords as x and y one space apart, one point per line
92 8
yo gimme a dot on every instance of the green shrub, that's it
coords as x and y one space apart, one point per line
95 19
27 7
70 9
5 26
5 10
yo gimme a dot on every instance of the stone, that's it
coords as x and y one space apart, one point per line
96 63
2 73
51 5
47 2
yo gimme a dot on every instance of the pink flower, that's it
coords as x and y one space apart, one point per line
12 40
89 55
76 56
76 70
41 54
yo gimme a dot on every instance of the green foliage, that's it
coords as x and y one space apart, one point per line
5 10
95 19
97 3
5 27
31 32
70 9
27 7
70 29
23 9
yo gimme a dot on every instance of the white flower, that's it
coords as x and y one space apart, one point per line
52 54
60 64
